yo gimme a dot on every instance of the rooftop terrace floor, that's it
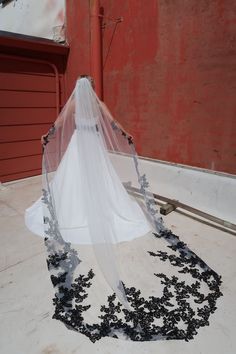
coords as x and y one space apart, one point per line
26 308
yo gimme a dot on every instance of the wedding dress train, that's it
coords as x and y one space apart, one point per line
71 190
151 288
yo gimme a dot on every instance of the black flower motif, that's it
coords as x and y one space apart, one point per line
170 316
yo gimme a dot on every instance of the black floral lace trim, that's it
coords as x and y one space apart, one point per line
46 138
139 323
128 137
149 319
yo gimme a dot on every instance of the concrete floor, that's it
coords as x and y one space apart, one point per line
26 309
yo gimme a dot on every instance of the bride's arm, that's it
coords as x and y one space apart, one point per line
115 122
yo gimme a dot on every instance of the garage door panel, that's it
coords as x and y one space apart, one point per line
22 82
15 99
20 164
27 116
23 133
19 175
20 149
11 65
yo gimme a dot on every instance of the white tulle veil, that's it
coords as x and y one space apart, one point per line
94 192
98 139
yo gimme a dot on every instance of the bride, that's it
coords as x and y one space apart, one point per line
85 187
95 195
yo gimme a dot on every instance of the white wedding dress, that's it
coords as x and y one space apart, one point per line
85 181
114 289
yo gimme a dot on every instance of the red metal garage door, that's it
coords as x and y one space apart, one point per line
29 102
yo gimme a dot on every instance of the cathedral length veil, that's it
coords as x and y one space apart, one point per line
91 175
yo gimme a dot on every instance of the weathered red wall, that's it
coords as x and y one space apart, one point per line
169 77
78 38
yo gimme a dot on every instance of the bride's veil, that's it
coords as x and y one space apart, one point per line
106 153
90 164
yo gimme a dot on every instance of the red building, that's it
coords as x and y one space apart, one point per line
166 70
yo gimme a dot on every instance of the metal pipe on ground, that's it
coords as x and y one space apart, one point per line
176 204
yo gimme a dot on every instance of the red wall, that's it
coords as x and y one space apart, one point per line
78 38
169 77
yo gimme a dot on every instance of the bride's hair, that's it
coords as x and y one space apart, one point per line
89 78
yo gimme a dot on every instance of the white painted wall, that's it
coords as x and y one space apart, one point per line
213 193
32 17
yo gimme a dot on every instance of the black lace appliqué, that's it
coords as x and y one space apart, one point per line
177 314
179 321
48 135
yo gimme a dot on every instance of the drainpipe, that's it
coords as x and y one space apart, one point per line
96 46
